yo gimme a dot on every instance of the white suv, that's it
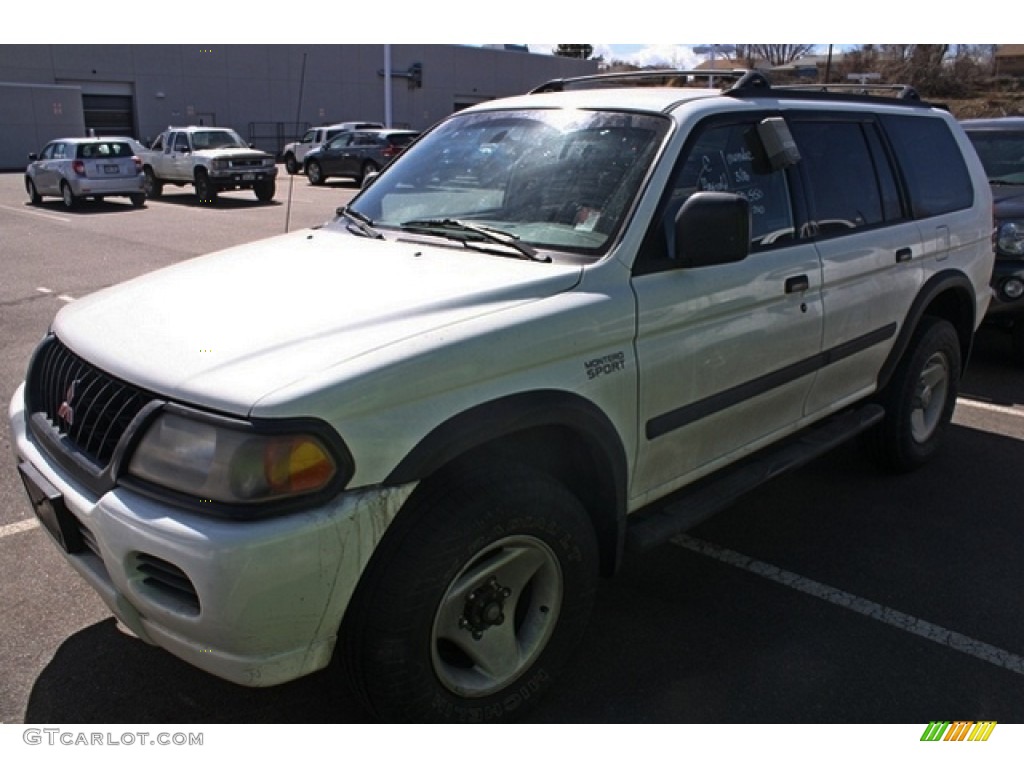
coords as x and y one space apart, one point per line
416 436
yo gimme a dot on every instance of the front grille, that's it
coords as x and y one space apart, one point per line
242 163
88 407
168 581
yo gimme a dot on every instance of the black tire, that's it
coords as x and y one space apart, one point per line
315 173
291 164
495 565
1017 339
33 194
265 190
151 185
69 198
138 200
920 398
368 167
205 189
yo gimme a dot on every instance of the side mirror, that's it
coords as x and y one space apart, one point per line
32 156
712 228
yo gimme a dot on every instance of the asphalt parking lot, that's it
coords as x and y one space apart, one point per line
833 595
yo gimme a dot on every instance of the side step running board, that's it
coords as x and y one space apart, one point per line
694 504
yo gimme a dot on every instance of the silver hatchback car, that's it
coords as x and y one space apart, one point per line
73 169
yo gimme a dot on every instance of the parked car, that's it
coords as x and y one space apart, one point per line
294 153
556 331
1000 145
356 154
76 168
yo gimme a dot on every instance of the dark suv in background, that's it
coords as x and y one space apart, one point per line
356 154
1000 145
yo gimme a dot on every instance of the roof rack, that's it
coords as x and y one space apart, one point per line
737 83
907 92
652 78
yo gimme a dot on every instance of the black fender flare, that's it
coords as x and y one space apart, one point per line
487 424
955 295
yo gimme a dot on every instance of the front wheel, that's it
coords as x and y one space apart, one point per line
477 595
205 190
920 398
291 164
151 185
265 190
33 194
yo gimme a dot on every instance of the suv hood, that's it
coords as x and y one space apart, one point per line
230 153
227 329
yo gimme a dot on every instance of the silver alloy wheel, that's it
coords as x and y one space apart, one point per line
930 397
313 173
496 616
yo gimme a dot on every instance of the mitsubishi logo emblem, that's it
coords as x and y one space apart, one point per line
66 412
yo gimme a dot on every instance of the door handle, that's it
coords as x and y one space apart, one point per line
904 254
797 284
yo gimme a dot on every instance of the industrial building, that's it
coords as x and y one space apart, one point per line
268 93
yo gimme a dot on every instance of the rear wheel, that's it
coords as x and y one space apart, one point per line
69 197
368 167
477 595
920 399
137 200
291 164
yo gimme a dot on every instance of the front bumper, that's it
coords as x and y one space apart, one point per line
1003 306
242 178
257 603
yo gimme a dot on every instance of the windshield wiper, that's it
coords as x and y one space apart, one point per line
359 222
454 229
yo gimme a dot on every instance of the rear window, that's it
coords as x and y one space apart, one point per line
105 149
932 164
400 139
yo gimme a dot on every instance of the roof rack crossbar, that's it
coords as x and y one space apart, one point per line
900 91
679 78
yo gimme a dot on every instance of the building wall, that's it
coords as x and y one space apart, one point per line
263 91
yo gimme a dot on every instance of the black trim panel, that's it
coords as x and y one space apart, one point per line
688 414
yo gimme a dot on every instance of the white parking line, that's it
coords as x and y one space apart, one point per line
20 527
946 637
50 216
981 405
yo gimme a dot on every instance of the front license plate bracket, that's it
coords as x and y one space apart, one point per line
53 514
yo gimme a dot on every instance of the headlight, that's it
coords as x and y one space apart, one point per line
220 165
212 460
1010 238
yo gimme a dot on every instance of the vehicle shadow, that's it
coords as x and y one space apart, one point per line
225 200
103 675
86 206
993 373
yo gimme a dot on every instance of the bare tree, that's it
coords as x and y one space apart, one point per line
574 50
775 54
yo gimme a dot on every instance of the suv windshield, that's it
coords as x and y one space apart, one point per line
1002 154
557 179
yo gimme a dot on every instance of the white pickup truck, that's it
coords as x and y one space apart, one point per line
295 152
213 160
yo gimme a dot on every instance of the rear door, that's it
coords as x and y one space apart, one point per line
727 352
871 251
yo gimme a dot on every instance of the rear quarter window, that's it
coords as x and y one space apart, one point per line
932 165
